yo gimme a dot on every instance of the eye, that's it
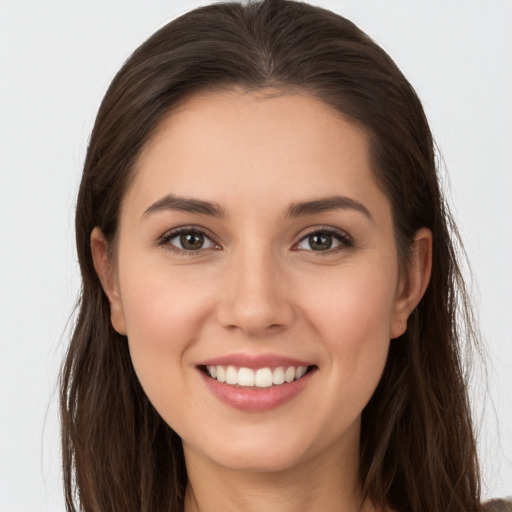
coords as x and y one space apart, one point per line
186 241
325 240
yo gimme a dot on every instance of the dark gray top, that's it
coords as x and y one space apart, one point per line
498 506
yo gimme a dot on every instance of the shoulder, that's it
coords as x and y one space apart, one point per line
498 506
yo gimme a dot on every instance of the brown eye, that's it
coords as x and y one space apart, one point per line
325 240
320 242
190 240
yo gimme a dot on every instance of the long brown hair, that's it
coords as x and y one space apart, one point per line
417 445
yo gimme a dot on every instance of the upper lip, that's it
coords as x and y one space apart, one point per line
254 361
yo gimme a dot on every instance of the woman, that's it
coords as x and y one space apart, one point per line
270 286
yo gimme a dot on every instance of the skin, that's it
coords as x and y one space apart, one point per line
259 287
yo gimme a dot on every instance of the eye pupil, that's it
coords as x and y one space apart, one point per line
192 241
320 242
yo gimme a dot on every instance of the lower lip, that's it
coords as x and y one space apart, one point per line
263 399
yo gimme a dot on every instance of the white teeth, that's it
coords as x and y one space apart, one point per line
278 376
231 375
221 374
263 378
260 378
289 374
246 377
300 372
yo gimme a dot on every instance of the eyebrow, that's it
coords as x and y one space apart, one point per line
327 204
186 204
299 209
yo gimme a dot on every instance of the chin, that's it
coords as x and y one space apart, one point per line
258 459
263 451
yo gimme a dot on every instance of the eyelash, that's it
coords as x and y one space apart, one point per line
164 241
345 241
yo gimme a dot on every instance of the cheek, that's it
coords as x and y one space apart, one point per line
162 308
352 313
163 319
355 300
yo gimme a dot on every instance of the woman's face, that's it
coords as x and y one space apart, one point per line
254 239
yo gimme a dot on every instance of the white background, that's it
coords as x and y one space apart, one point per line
56 60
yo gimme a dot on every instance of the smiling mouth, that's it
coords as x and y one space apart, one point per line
261 378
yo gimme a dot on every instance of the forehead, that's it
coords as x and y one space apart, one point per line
250 145
253 119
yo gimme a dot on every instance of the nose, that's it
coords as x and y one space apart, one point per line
255 295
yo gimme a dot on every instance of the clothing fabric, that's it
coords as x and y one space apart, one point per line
498 506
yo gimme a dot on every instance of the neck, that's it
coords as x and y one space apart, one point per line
319 483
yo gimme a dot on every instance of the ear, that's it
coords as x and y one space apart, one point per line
108 279
413 283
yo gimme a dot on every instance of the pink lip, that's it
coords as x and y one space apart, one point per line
254 399
254 361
